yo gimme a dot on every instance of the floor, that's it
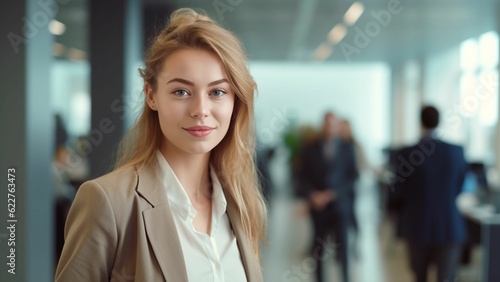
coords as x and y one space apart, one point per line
381 258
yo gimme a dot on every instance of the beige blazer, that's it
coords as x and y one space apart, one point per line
120 228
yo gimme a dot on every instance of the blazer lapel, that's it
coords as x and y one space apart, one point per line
160 227
250 263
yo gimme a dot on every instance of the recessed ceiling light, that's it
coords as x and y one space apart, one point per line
57 27
322 52
76 54
59 49
337 33
353 13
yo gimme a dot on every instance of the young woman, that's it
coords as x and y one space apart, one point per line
184 203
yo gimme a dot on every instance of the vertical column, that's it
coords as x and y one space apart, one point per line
133 61
27 141
497 138
397 117
113 25
414 97
408 90
40 132
107 33
421 69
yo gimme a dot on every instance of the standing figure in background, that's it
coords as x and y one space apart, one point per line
61 162
64 192
307 134
327 172
264 157
361 162
429 177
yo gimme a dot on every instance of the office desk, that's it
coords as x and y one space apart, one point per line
489 221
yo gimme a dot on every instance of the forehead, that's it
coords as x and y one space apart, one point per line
194 65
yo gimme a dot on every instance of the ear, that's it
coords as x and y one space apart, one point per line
150 96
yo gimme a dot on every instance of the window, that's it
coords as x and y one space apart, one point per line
479 95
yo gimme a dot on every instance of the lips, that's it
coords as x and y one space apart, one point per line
199 130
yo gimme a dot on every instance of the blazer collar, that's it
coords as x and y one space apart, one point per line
163 235
250 262
160 226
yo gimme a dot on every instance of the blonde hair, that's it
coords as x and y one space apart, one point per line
233 157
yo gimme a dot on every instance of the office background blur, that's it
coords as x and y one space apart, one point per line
373 62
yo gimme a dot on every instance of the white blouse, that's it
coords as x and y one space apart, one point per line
207 258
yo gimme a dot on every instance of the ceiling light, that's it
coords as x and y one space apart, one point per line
56 27
353 13
58 50
322 52
337 33
76 55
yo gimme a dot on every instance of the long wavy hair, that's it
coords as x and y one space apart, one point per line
233 158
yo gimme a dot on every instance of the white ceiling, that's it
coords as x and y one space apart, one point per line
293 29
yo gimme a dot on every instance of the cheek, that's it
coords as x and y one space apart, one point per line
169 118
225 113
171 112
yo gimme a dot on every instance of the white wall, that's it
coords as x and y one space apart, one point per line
461 108
70 95
442 77
301 93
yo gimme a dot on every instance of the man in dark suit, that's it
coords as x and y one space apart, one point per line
429 177
327 172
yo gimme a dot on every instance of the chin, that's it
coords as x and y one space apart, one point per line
199 150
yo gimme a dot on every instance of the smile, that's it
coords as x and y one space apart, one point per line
199 131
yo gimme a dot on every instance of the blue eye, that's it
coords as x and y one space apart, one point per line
218 93
181 92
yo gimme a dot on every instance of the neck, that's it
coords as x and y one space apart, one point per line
425 132
192 170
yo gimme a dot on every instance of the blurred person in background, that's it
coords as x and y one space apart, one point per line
361 163
64 192
183 203
61 162
70 170
305 136
430 175
327 173
264 157
80 166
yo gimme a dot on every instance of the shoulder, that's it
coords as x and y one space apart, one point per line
454 147
449 146
120 177
116 184
406 150
114 194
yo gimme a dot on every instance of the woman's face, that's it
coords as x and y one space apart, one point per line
194 101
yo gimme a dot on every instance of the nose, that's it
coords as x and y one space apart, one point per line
200 106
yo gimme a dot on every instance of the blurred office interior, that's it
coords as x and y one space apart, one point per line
374 63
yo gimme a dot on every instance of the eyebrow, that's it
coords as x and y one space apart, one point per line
184 81
218 82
